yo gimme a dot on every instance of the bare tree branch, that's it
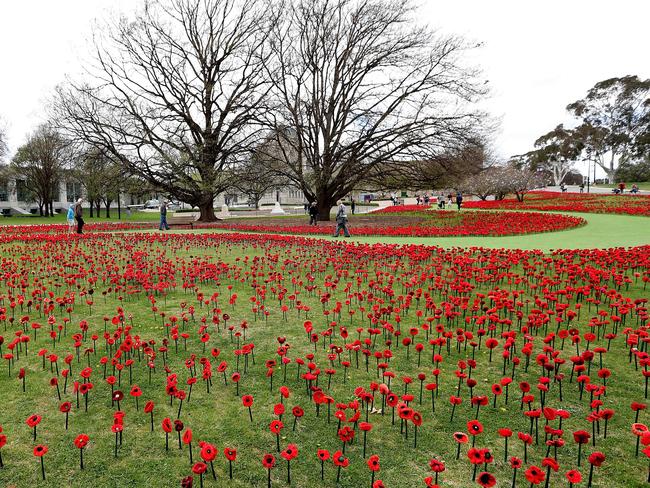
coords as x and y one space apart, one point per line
176 94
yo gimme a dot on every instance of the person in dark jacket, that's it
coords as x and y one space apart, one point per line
78 216
459 199
313 214
163 216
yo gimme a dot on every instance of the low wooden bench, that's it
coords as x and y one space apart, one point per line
181 219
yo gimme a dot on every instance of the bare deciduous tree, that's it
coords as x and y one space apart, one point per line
521 180
490 182
175 94
261 173
361 85
39 163
101 178
4 149
445 170
498 181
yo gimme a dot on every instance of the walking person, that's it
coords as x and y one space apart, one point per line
78 216
313 214
459 199
353 205
70 218
341 221
163 216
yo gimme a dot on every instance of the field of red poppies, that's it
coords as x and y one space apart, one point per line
572 202
246 360
416 221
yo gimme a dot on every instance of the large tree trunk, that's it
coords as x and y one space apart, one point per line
324 207
108 209
91 210
207 211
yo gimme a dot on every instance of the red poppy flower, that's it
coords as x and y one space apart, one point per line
167 425
340 460
208 452
276 426
516 463
290 452
436 465
461 437
365 426
573 476
268 461
40 450
148 407
199 468
581 436
33 420
247 400
323 454
429 482
230 453
535 475
550 463
596 458
486 480
187 482
476 455
524 437
297 411
505 432
65 407
346 434
81 441
278 409
373 463
187 436
416 418
474 427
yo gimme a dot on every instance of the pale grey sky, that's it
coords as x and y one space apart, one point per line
537 56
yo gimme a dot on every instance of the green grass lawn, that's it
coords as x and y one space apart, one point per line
218 416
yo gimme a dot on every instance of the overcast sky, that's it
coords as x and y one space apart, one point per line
537 56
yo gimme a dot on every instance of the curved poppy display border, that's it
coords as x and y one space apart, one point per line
473 224
571 202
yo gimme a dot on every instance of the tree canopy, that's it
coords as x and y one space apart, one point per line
615 121
175 94
361 85
39 163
